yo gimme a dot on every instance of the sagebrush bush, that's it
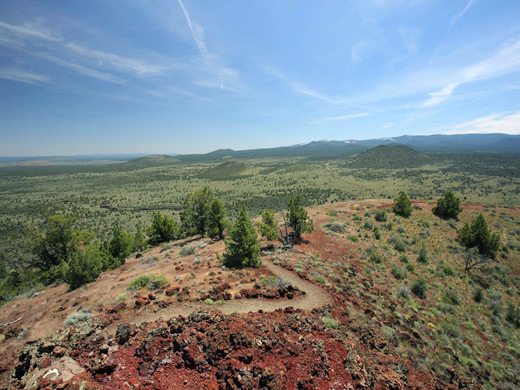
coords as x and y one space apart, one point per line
187 250
403 292
380 216
150 281
419 288
399 273
423 255
79 316
330 322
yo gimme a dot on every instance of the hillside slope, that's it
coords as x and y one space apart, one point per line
376 333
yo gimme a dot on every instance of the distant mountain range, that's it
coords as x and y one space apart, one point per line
502 143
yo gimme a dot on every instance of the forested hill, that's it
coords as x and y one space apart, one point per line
389 157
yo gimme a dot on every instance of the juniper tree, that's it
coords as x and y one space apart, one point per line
448 206
242 247
403 205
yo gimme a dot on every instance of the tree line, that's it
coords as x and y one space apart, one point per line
61 253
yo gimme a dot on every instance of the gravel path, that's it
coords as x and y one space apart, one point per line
314 297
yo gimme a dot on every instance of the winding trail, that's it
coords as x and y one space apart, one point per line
314 297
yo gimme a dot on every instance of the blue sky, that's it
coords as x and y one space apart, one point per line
186 76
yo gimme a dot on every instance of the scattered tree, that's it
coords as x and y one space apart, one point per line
140 243
216 223
403 205
297 218
242 248
54 246
121 244
163 229
268 227
84 266
448 206
195 214
477 235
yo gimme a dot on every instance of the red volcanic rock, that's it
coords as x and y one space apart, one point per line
117 308
140 302
172 291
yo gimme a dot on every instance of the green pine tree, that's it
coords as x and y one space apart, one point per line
242 248
216 223
403 205
477 235
163 229
140 243
448 206
268 227
121 244
195 215
297 217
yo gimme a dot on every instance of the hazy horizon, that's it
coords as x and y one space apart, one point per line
180 77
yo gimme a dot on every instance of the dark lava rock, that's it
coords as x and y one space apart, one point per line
122 334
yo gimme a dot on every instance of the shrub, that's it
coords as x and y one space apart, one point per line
375 257
478 294
187 250
242 248
330 322
448 206
209 301
353 238
419 288
335 227
404 258
403 292
402 205
410 267
423 255
150 281
380 216
399 245
377 234
477 235
513 315
451 296
79 316
399 273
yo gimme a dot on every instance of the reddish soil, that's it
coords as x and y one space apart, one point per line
171 339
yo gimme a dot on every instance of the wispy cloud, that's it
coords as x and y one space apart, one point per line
23 77
453 23
227 76
508 123
80 68
119 62
304 90
439 96
30 31
505 60
338 118
198 35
